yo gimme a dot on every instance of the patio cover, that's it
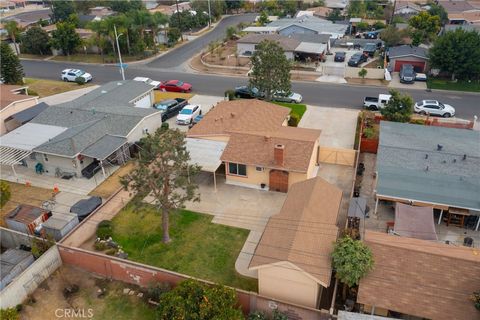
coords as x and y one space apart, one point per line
205 153
310 47
104 147
18 144
414 222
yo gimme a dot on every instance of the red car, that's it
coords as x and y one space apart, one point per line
176 86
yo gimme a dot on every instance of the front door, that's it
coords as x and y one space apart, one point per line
279 180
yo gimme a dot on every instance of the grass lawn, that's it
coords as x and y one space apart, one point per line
112 184
20 193
460 85
160 95
199 248
45 88
296 108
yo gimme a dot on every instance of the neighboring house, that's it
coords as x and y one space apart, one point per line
13 99
294 263
420 278
26 218
261 30
466 27
465 17
309 25
428 165
407 9
169 10
313 45
101 12
13 263
261 150
408 54
456 6
320 12
77 138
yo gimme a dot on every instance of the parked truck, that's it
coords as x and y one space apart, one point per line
374 103
170 107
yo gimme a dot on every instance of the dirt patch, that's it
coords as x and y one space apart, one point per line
225 56
21 194
367 82
97 297
112 184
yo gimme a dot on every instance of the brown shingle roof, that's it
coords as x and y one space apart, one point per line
455 5
8 95
240 116
472 16
287 44
304 231
257 148
421 278
26 213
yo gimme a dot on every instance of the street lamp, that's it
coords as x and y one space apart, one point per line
119 54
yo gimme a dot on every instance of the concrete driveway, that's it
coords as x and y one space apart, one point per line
395 83
337 124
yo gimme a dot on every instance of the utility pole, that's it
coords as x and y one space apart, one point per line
119 54
209 15
179 21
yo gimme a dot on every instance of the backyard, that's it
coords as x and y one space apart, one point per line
199 248
112 183
45 88
50 302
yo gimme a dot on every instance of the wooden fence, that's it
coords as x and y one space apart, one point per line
337 156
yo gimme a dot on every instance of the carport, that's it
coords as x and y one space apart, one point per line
18 144
311 50
206 154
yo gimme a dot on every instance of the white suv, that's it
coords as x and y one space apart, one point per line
188 113
73 74
155 84
434 107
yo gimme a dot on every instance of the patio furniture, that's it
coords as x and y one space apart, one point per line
456 216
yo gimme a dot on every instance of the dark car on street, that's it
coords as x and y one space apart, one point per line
85 207
357 59
340 56
407 74
247 92
170 107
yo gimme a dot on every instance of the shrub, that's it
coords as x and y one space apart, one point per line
230 94
80 80
370 133
156 289
164 126
9 314
111 252
279 315
100 246
104 229
294 120
4 193
257 315
476 299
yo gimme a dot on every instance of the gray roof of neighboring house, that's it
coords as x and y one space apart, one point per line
407 50
466 27
104 146
310 22
103 111
410 167
287 44
315 38
30 113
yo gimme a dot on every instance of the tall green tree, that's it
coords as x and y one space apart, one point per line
334 15
391 35
263 18
194 300
438 10
424 27
36 41
163 171
65 38
61 10
399 108
11 70
124 6
352 260
458 53
270 69
356 9
13 31
217 7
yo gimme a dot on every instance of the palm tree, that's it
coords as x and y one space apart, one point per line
157 19
13 30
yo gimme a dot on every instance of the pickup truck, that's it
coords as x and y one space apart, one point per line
374 103
170 107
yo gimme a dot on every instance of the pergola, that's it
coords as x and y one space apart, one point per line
206 154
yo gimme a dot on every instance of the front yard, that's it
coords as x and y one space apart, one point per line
460 85
295 108
45 88
199 248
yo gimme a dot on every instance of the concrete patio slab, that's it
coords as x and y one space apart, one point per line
338 125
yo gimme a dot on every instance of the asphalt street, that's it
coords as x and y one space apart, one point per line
178 56
314 93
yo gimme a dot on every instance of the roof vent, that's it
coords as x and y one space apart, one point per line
454 160
119 83
104 91
232 114
439 147
266 138
426 156
426 169
464 157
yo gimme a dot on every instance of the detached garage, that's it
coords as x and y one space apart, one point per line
408 54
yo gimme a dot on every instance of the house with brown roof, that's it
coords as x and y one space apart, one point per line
420 278
293 256
13 99
261 151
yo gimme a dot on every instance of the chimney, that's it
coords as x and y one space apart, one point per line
279 154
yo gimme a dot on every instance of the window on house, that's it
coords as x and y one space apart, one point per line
45 157
33 156
259 168
237 169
